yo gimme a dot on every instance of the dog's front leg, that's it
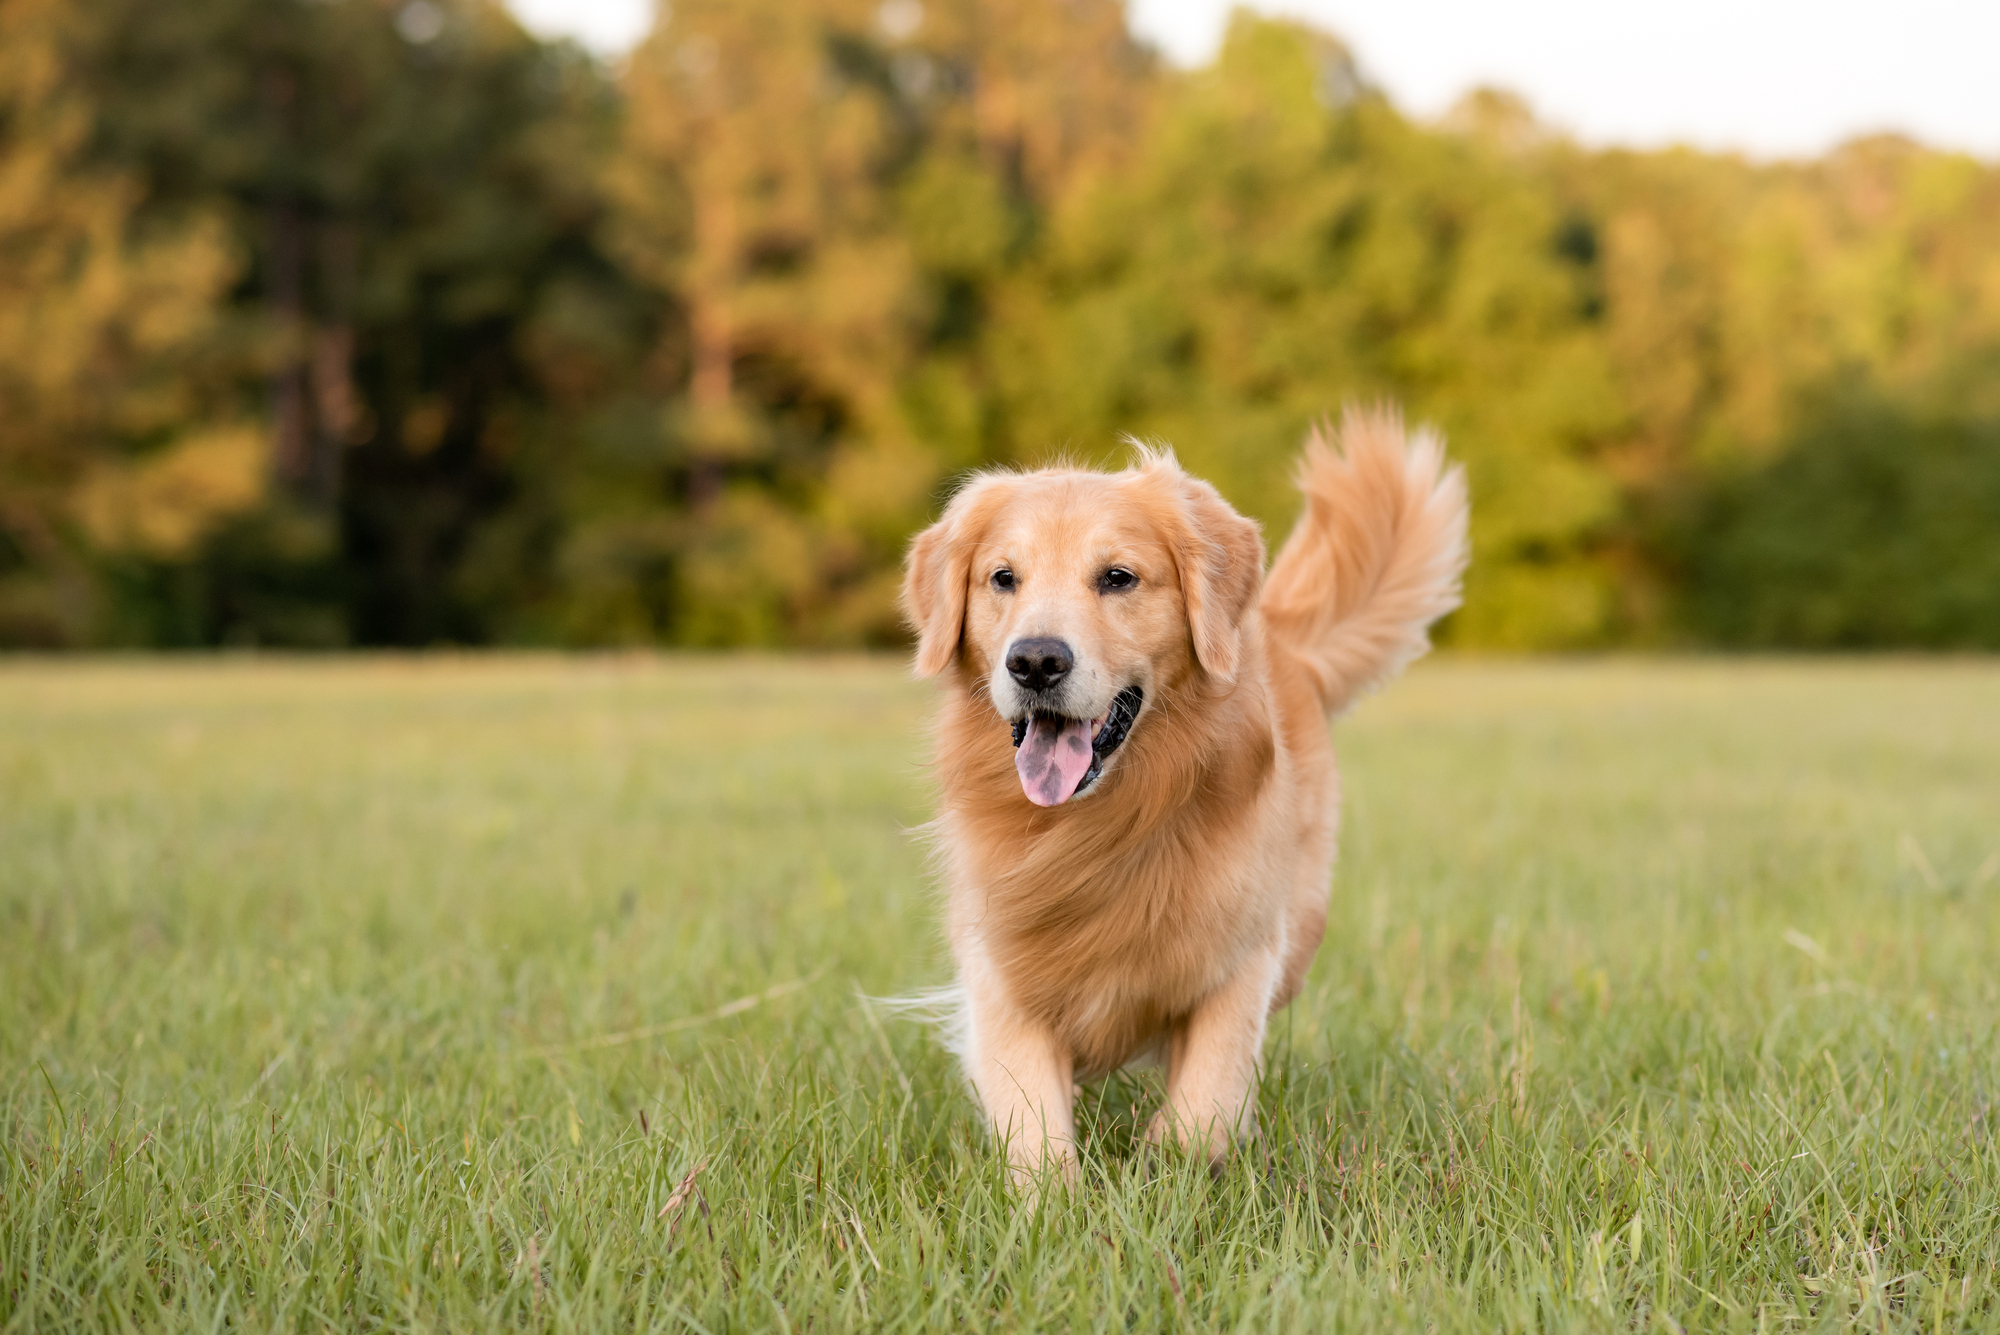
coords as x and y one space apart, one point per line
1022 1073
1212 1057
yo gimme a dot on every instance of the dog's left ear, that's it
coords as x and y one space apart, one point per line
1221 560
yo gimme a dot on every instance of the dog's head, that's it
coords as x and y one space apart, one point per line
1074 598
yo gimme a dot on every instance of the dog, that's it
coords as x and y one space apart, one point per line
1138 797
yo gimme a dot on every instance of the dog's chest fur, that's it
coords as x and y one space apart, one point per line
1109 918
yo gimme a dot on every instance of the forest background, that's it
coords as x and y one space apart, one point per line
344 322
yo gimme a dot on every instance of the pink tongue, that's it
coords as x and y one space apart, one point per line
1052 758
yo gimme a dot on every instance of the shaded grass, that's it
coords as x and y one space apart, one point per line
525 993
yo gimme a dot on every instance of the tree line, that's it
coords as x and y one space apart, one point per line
333 322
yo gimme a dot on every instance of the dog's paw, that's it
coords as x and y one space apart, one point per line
1214 1138
1053 1170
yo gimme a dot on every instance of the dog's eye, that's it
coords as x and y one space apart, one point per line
1003 579
1117 578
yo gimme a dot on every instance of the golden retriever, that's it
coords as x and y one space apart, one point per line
1139 799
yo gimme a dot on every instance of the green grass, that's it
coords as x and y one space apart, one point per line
411 994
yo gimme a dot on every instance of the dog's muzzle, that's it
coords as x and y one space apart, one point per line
1059 757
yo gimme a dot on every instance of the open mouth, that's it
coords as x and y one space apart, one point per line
1059 757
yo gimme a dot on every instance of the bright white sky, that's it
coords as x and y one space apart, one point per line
1774 78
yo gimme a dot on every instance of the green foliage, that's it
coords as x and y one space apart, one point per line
415 200
113 435
1289 242
1874 528
409 993
544 353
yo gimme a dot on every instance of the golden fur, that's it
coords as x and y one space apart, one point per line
1171 907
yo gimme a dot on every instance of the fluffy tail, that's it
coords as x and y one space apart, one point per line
1375 558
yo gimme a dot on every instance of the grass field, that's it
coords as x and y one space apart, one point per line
525 993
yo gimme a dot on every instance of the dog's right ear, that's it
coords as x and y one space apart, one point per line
934 596
935 576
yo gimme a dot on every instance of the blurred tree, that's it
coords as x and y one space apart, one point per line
1287 241
826 189
1735 294
114 436
411 180
750 190
1873 527
377 321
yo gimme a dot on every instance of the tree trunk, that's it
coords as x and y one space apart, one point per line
337 405
285 297
711 382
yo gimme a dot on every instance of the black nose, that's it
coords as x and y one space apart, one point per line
1039 663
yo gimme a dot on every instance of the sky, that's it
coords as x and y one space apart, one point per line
1771 78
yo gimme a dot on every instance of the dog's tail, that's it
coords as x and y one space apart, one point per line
1375 558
